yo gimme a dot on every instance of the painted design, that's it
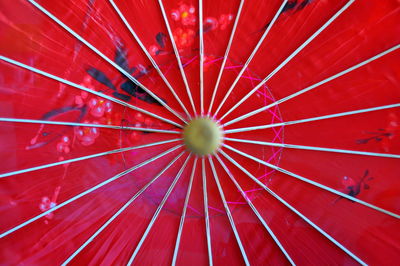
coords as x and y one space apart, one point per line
292 6
354 187
384 136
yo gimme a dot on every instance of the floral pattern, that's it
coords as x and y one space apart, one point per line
186 29
353 187
184 37
184 14
384 136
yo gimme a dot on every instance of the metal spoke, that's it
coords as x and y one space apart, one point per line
182 221
156 67
77 86
228 48
201 51
206 216
63 123
171 36
316 85
254 209
251 56
290 57
26 170
314 183
126 205
228 212
316 227
360 111
312 148
100 54
87 192
157 212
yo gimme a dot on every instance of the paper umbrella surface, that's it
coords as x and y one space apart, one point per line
199 132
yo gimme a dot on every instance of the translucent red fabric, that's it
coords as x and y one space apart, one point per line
309 171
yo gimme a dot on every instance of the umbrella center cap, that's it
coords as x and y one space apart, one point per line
202 136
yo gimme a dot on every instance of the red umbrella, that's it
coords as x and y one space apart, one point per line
266 134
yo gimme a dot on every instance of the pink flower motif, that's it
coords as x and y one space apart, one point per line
47 204
224 21
184 37
148 122
135 136
153 50
87 82
63 146
348 181
98 106
185 14
80 99
139 117
87 135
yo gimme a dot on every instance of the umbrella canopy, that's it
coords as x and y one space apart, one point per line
199 132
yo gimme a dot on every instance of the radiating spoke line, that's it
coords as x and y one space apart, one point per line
157 212
314 183
206 216
316 85
108 60
77 86
290 57
171 36
126 205
245 129
201 51
156 67
251 56
228 48
63 123
228 212
254 209
312 148
26 170
272 193
182 221
88 191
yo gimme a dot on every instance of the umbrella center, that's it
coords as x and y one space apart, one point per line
202 136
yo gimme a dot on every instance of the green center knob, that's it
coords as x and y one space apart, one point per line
202 136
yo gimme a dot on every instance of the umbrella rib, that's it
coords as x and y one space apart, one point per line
64 123
183 216
201 52
77 86
290 57
228 48
312 148
100 54
255 211
6 233
250 58
125 206
206 216
176 52
228 212
156 67
344 72
26 170
157 212
360 111
314 183
307 220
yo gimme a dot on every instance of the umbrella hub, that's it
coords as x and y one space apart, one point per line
202 136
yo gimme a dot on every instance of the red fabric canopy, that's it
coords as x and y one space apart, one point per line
94 95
